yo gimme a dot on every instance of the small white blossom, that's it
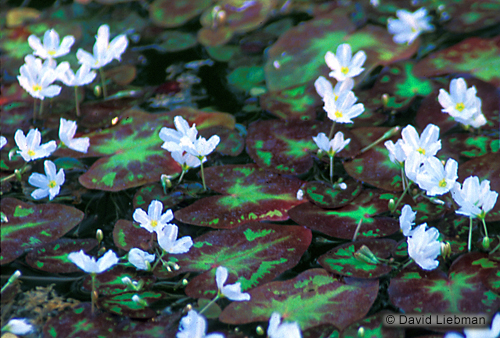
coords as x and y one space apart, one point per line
333 146
194 325
201 147
186 160
424 247
51 49
300 194
396 153
104 51
167 239
181 137
48 184
426 145
276 329
474 199
408 26
494 332
138 258
413 165
343 64
232 291
344 108
460 103
18 326
477 119
407 220
326 90
37 80
153 220
84 75
67 130
435 178
3 141
29 145
89 264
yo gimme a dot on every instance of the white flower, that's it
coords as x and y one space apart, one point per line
342 65
48 184
326 90
460 103
29 145
51 47
409 25
201 147
104 51
138 258
427 144
396 152
186 160
18 326
407 220
3 141
167 239
423 246
474 199
195 326
300 194
283 330
494 332
37 80
67 130
331 147
178 140
413 165
153 220
477 119
435 178
232 291
344 108
83 75
89 264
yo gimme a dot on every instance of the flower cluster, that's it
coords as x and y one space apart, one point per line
462 103
408 26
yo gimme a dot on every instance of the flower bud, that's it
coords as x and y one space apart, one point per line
445 249
165 182
3 217
364 254
138 300
97 91
18 174
392 205
260 331
486 242
385 100
99 235
185 282
361 332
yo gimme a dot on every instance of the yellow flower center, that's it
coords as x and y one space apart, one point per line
154 223
51 52
421 151
335 96
338 114
442 183
52 184
37 88
31 152
460 106
344 70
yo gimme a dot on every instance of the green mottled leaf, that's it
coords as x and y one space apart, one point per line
128 235
323 195
374 328
122 303
312 298
167 13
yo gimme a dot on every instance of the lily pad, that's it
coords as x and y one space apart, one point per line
469 15
468 145
246 77
175 41
323 195
342 223
259 252
32 225
477 56
168 13
132 151
122 303
341 260
110 282
374 328
128 235
250 194
461 291
53 257
312 298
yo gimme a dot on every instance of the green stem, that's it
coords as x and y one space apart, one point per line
182 175
402 195
103 83
357 229
202 174
11 280
407 263
331 131
331 169
403 177
386 135
158 260
77 106
470 235
209 304
92 295
485 229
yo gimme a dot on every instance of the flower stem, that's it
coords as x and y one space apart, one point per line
103 83
357 229
77 106
202 174
209 304
94 292
158 260
401 197
470 235
386 135
331 169
331 131
407 263
485 229
182 175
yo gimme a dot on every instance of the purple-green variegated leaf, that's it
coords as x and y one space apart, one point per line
123 305
374 327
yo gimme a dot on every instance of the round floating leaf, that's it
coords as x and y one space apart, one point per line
16 116
469 145
374 166
250 193
32 225
53 257
492 281
323 195
455 228
373 328
477 56
128 235
246 77
122 304
470 15
132 148
462 291
214 37
259 252
312 298
342 223
175 41
122 75
168 13
341 260
231 141
298 102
